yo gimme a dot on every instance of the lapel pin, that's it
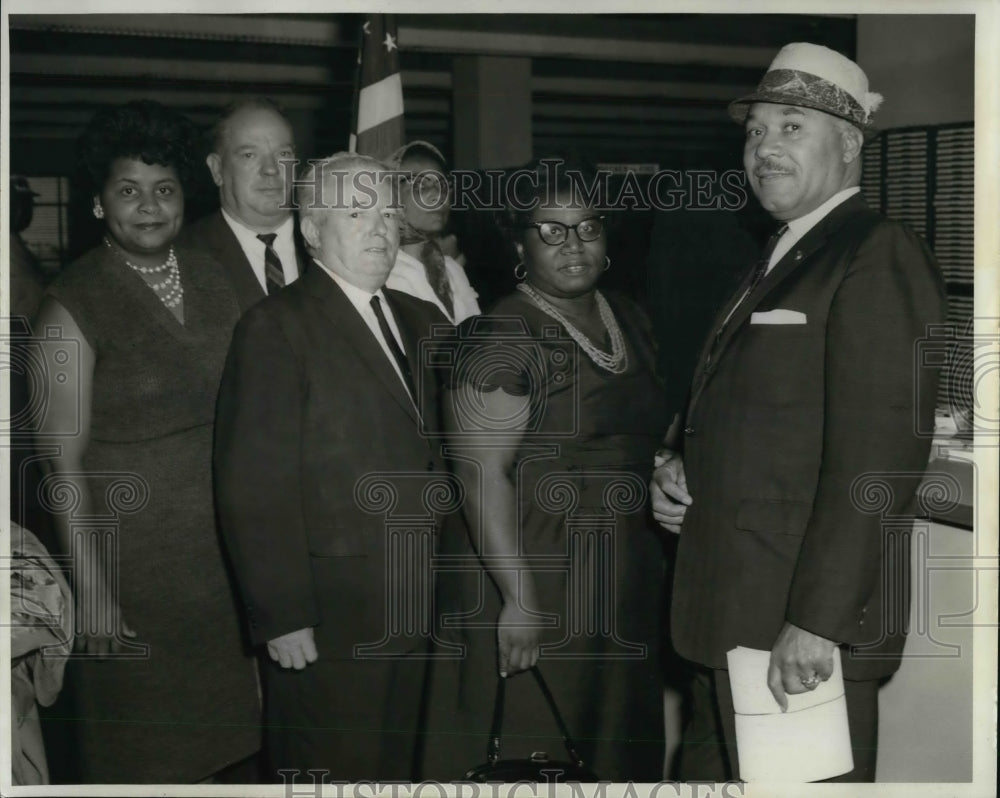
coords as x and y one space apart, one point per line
798 254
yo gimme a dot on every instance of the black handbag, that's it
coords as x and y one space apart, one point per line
538 767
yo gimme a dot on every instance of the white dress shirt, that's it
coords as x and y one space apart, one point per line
409 276
254 248
361 300
797 228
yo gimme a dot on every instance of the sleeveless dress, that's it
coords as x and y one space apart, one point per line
596 555
188 705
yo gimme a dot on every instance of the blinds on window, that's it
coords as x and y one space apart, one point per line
46 236
923 176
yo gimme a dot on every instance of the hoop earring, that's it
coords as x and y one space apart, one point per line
520 275
98 211
607 262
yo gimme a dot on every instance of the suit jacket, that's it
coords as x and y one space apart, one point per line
212 235
309 406
784 423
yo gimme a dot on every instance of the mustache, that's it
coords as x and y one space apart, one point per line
770 168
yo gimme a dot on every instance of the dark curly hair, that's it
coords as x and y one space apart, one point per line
144 130
537 184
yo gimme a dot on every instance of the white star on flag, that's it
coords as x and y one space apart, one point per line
377 125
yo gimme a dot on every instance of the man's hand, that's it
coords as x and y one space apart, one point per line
800 660
668 489
293 650
517 640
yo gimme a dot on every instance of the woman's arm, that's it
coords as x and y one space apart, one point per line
485 465
67 406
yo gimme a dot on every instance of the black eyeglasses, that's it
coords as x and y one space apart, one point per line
556 233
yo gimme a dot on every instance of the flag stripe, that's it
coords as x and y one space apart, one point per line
382 140
380 102
377 121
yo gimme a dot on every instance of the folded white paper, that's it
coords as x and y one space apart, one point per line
778 316
809 742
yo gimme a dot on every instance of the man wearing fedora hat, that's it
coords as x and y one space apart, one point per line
806 387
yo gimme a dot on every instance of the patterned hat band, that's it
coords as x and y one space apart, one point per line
793 87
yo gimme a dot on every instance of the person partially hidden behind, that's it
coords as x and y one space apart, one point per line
323 387
424 268
805 384
253 233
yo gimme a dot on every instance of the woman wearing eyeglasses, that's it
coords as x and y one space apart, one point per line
555 415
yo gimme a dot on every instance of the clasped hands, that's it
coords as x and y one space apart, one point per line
668 491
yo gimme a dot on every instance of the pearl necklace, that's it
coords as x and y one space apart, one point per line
169 289
617 361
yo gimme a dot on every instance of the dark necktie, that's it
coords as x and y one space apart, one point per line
759 270
274 275
397 352
437 274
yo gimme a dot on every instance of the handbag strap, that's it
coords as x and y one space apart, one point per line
493 746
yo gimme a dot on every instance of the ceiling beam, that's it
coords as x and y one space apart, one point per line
323 30
638 88
554 46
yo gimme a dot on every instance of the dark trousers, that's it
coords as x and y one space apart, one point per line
353 720
708 744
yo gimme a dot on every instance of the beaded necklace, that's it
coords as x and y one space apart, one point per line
169 289
617 361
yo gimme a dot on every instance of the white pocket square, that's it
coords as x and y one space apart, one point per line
778 316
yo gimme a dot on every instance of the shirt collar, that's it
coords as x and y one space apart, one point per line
284 231
359 297
799 227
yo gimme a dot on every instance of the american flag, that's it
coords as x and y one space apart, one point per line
377 128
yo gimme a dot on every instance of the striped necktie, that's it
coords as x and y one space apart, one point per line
274 275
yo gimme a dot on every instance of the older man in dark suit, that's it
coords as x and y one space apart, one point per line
318 438
253 233
807 385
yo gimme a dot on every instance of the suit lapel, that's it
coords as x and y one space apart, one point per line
359 337
302 259
410 325
226 249
803 250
